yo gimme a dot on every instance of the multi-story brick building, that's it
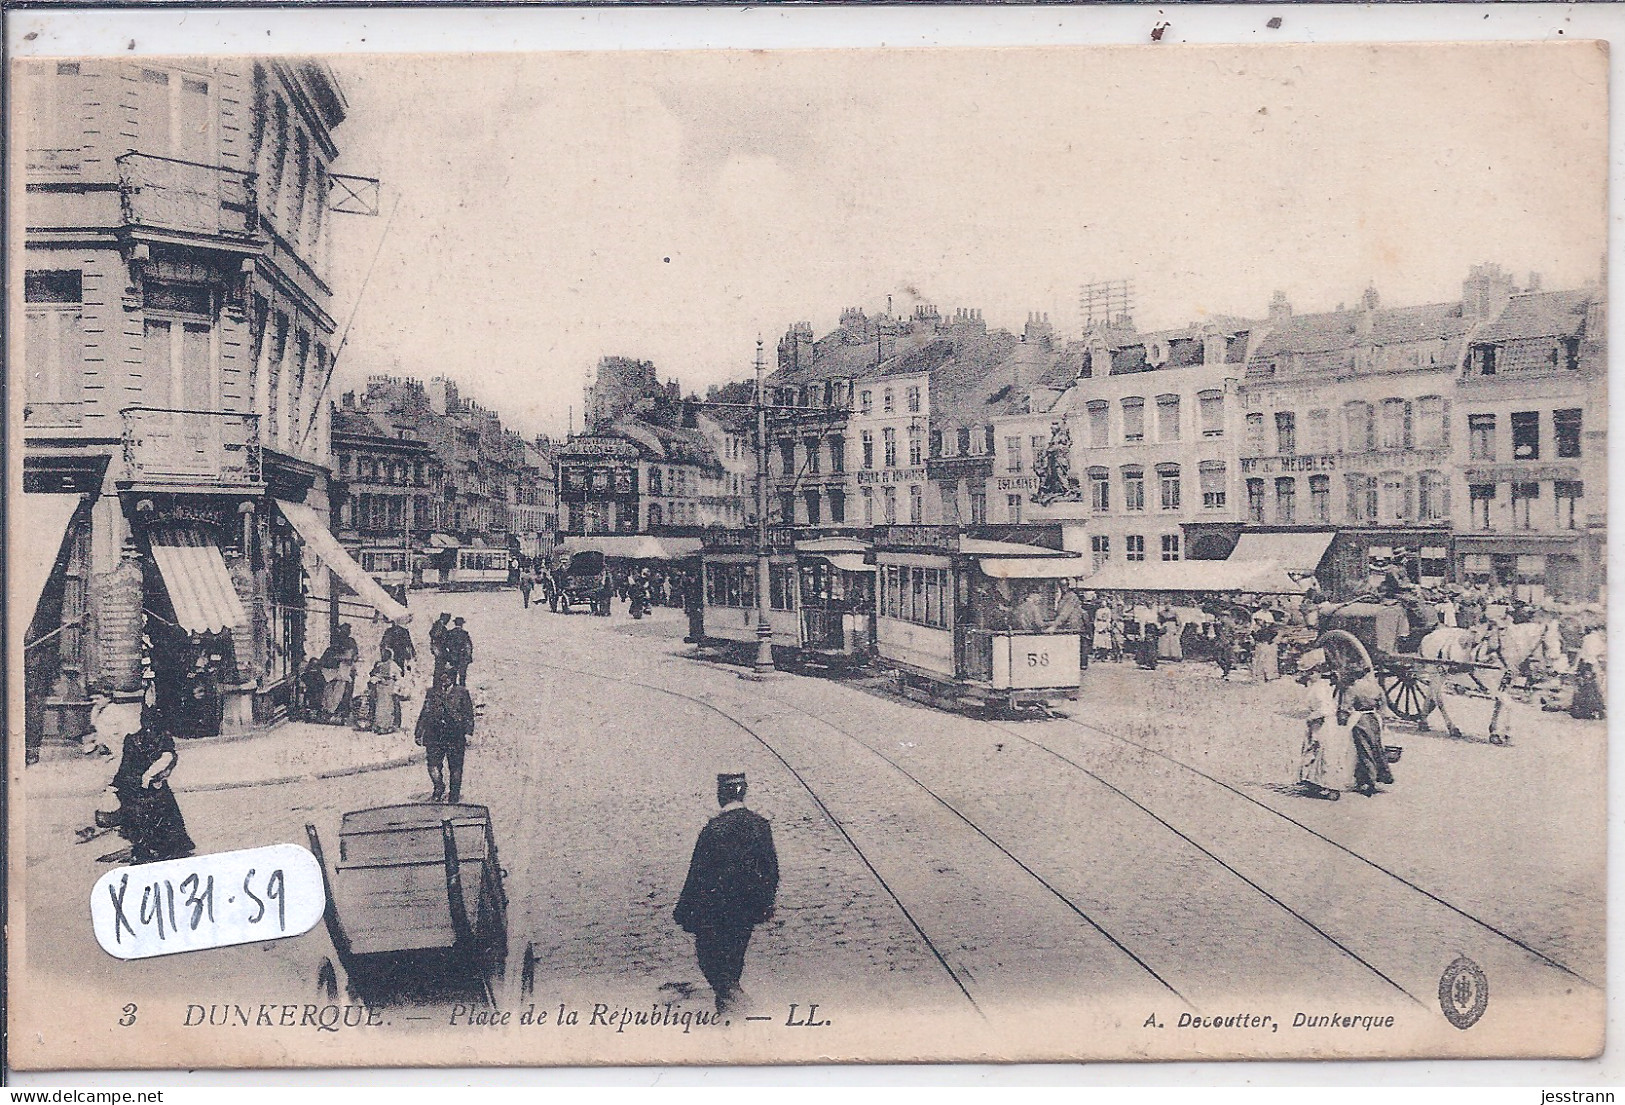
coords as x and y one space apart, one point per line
1530 424
494 490
385 498
1150 421
1347 430
176 345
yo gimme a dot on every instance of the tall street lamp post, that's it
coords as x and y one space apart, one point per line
764 630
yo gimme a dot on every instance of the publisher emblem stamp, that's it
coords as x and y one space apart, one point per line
1464 992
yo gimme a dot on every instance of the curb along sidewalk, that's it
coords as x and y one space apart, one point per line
287 753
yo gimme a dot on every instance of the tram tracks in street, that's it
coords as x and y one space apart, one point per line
1312 831
1021 858
1027 870
812 793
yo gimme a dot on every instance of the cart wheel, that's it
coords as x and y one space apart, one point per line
1345 655
527 971
327 980
1405 694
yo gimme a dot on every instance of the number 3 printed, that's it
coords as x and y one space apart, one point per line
129 1015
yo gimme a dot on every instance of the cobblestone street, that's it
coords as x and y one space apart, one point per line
1143 850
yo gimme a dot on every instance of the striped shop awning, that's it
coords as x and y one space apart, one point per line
199 585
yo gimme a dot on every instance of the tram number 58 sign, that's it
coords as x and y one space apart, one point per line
1038 659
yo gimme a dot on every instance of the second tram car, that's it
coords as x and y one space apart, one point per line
976 622
467 569
835 601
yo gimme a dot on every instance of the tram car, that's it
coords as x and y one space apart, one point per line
835 602
466 569
976 623
729 567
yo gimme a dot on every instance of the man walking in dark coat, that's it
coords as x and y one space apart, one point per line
459 650
444 726
732 880
437 643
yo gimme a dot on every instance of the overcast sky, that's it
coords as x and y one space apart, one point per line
556 208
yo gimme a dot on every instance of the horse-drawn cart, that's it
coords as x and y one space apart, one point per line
416 907
1377 637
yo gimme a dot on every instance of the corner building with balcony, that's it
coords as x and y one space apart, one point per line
175 351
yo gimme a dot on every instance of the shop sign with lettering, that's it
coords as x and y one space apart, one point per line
1016 483
601 447
869 477
1522 473
918 537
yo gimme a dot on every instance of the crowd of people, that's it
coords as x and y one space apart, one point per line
641 589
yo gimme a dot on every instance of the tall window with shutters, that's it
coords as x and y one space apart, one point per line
1432 497
1286 433
1286 500
1133 419
1254 441
1167 418
1211 410
1320 498
1362 497
1429 424
1359 428
1099 424
1211 476
1396 424
53 346
54 120
178 358
1317 432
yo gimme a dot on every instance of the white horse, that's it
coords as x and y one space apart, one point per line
1533 648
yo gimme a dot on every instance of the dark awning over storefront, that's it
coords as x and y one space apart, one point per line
199 585
41 525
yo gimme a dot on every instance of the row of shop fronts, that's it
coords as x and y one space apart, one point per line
210 599
1536 567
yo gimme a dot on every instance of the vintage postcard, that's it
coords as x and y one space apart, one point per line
778 556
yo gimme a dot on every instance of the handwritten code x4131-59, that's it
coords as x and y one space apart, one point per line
208 901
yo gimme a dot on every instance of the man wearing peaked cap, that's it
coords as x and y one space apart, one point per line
732 879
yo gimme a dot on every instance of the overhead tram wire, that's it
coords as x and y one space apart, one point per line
344 337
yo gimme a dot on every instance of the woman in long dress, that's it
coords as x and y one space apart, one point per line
1168 645
149 817
383 684
1103 632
